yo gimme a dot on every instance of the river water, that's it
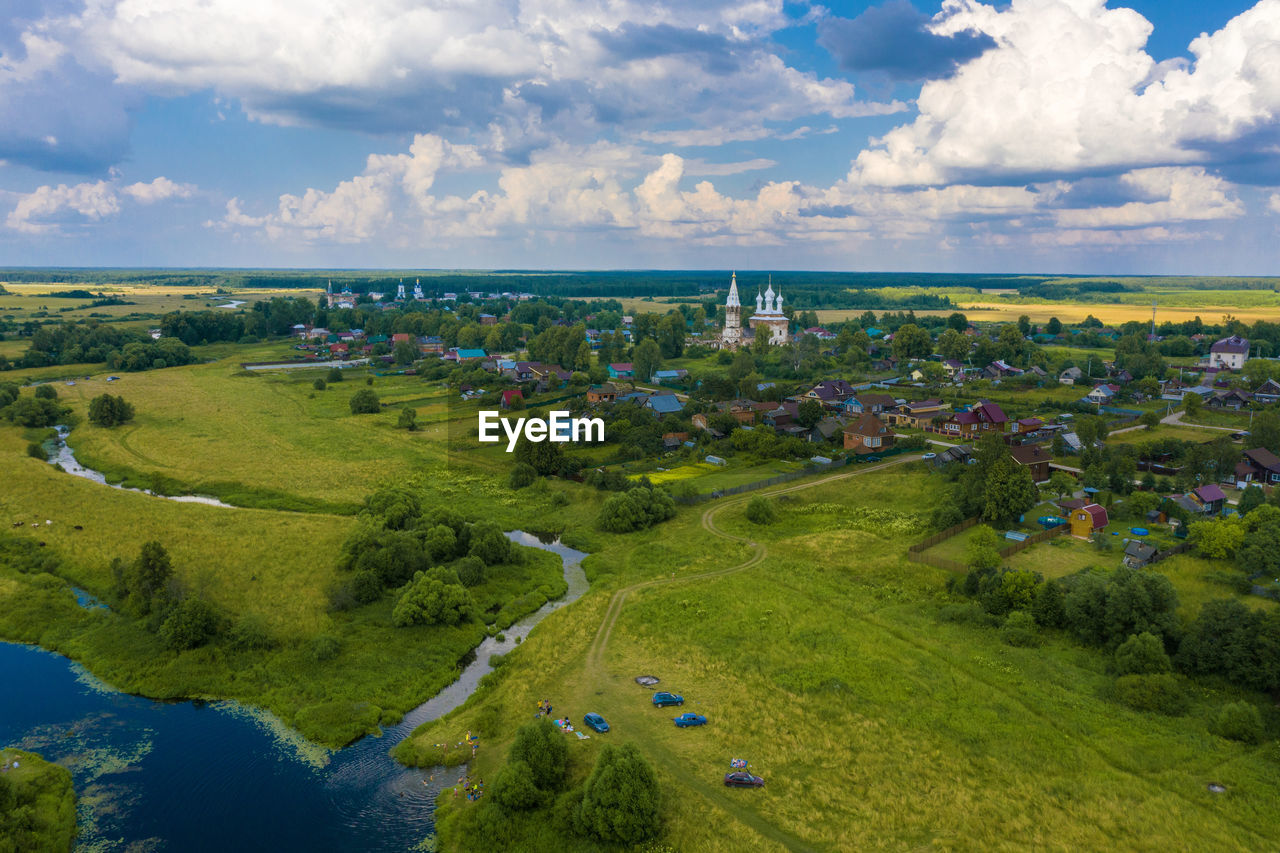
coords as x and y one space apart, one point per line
187 776
64 456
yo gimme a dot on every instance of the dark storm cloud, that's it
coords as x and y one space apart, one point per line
76 121
893 39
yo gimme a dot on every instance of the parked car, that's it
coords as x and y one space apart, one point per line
596 722
664 699
689 719
743 779
928 456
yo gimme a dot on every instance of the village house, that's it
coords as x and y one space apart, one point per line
1211 498
830 392
1230 353
1026 426
826 429
917 414
1233 399
1138 553
663 404
661 376
1034 458
869 404
1087 520
621 370
986 416
999 369
868 434
953 368
510 398
1101 395
605 393
1258 465
743 411
782 415
672 440
1268 392
1071 376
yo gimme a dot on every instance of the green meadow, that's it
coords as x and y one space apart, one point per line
298 465
876 723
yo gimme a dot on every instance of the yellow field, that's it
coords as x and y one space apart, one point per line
1070 313
1216 305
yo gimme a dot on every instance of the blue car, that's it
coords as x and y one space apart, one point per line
596 722
662 700
687 719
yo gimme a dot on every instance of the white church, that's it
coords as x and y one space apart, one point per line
767 320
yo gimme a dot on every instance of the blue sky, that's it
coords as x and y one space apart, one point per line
1030 136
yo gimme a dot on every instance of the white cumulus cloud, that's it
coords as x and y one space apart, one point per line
1069 89
45 209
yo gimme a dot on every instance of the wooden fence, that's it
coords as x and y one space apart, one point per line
915 553
1180 548
1010 550
930 541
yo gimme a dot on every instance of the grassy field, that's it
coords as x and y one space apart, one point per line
45 789
1182 432
274 443
875 724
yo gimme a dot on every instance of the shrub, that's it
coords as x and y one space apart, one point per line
365 402
541 747
636 509
366 587
983 548
470 571
36 451
335 374
192 623
760 511
108 411
441 542
620 798
318 385
489 544
408 419
325 647
966 613
1019 629
428 600
1161 693
523 474
1141 654
46 392
514 788
1239 721
251 633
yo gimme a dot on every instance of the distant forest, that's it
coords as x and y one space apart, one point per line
803 290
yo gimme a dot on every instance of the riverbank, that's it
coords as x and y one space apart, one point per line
37 803
353 797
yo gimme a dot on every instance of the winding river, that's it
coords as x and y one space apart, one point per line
64 456
222 776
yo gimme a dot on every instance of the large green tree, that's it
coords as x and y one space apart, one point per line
620 799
